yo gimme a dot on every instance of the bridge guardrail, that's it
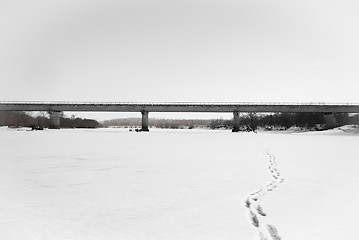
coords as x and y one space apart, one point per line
182 103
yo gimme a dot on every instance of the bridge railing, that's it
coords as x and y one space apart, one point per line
180 103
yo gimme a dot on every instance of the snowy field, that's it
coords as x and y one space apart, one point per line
178 184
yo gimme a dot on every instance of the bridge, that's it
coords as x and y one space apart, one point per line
56 108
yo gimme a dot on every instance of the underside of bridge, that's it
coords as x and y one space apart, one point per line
330 120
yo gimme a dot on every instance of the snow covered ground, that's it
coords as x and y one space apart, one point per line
178 184
319 196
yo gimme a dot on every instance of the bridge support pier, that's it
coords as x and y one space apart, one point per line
55 119
330 120
235 121
144 121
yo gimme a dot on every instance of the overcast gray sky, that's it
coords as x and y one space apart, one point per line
188 50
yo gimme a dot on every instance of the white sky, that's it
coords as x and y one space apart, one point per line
158 51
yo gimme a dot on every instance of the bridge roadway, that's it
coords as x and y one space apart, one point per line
55 108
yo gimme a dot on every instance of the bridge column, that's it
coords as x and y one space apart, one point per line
55 119
144 121
330 120
235 121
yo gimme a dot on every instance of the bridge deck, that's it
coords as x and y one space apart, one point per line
179 107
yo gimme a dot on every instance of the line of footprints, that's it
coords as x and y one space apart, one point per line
256 212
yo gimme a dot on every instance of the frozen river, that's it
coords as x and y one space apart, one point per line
178 184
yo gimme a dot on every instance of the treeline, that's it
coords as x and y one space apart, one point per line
78 123
157 123
315 121
250 121
23 119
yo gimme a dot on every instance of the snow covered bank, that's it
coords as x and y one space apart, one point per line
175 184
88 184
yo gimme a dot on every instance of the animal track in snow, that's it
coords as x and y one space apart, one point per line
256 213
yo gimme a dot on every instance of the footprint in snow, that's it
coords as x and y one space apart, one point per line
248 203
254 219
260 211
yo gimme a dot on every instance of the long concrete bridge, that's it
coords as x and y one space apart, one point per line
56 108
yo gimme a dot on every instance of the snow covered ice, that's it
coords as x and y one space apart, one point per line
178 184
